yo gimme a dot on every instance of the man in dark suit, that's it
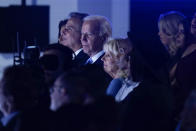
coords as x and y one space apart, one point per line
96 30
55 60
67 96
14 96
70 34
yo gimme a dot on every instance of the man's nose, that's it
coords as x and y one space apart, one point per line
83 37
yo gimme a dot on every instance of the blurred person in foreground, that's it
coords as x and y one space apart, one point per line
20 91
67 97
56 59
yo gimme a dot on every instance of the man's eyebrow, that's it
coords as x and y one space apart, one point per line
69 26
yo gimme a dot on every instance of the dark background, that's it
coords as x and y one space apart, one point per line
145 13
144 16
32 23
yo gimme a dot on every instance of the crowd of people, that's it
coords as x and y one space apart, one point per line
88 81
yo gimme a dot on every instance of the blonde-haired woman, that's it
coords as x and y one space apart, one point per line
174 32
171 31
117 65
142 101
193 27
172 36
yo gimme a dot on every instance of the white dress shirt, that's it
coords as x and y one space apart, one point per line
76 53
95 57
127 87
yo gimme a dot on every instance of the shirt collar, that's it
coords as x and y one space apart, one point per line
78 51
127 87
95 57
7 119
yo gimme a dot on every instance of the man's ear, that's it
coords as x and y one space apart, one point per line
104 37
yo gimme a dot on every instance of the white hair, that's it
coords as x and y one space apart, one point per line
105 27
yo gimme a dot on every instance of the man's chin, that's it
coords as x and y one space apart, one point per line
63 43
86 51
53 107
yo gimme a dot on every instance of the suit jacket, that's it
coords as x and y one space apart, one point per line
34 119
185 81
99 62
70 117
81 58
148 107
37 119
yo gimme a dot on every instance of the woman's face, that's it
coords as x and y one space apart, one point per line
180 36
193 25
167 39
110 63
164 38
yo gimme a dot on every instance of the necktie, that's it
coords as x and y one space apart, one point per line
89 61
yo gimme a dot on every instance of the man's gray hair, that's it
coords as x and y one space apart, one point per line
105 27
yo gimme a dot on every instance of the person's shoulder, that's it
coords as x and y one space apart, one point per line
99 62
117 81
82 54
81 58
189 50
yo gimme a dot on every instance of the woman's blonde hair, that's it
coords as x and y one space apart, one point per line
118 48
169 23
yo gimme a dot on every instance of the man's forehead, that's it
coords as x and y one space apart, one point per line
92 23
92 26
